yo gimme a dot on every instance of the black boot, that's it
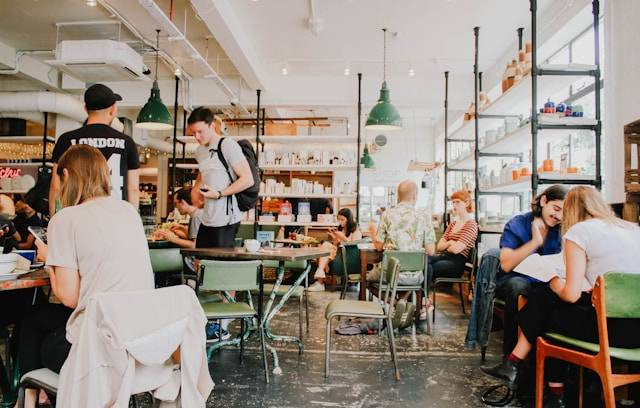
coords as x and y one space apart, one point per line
506 371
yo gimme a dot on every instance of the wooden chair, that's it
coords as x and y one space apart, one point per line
615 295
466 278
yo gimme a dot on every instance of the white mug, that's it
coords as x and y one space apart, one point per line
251 245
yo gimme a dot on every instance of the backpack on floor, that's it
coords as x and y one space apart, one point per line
248 198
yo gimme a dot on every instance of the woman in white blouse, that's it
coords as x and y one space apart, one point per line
595 242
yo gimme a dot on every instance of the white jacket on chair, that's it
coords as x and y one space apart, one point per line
124 347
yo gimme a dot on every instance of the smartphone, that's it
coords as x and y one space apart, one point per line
40 233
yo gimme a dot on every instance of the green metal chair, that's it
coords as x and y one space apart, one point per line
410 261
225 276
467 277
350 261
300 293
166 263
367 310
615 295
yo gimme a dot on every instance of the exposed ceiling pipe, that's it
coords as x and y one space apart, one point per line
52 102
176 35
16 65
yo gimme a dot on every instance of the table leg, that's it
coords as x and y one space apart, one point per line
363 276
271 312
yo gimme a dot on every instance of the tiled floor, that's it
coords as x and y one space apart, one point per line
436 370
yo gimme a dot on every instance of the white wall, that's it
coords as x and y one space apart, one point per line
622 103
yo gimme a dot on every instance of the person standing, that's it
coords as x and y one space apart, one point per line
118 149
221 216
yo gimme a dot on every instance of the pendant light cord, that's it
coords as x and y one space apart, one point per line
384 55
157 51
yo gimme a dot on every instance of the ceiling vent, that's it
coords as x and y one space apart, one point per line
99 61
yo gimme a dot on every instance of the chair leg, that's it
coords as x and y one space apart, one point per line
264 353
607 390
433 294
241 339
580 387
327 348
306 309
461 298
300 318
540 357
392 346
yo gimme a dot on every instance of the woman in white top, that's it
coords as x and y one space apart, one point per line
595 242
96 244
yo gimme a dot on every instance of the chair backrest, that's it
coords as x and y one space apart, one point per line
350 257
409 260
621 295
391 271
229 275
472 261
166 260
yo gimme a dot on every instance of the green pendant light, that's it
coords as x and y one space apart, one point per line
384 116
154 115
367 160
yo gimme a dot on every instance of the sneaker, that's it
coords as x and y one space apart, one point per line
213 332
316 287
401 305
506 371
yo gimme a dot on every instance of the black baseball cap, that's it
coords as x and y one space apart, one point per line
100 96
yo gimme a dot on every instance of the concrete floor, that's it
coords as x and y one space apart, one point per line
436 370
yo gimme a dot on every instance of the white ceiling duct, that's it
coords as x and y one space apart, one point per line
52 102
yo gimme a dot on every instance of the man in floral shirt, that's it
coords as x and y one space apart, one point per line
404 228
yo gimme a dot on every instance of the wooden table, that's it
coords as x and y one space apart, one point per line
281 255
368 256
34 279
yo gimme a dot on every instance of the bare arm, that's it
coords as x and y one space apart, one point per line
510 258
173 238
430 249
443 244
54 190
575 260
196 194
243 181
28 243
455 247
133 187
65 282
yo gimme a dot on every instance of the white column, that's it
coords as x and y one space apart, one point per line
622 83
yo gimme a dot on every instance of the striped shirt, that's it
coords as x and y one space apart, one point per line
467 235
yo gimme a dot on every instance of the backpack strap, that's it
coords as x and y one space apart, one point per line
226 167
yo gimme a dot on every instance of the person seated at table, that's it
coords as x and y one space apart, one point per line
96 244
404 228
347 231
595 242
537 231
26 217
457 241
182 235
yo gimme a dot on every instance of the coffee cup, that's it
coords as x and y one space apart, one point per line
251 245
29 254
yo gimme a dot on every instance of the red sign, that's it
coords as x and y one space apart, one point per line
8 172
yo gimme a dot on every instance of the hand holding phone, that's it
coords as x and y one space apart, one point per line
39 233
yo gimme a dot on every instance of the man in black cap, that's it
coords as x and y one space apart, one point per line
119 149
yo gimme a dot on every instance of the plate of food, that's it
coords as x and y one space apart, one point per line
15 274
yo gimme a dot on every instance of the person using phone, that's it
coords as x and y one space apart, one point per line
221 216
96 244
26 217
346 232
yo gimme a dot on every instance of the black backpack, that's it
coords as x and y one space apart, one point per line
248 198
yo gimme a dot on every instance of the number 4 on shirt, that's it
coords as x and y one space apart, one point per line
117 181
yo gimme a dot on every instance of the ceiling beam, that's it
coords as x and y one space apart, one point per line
228 31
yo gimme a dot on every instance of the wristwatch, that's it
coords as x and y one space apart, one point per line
220 195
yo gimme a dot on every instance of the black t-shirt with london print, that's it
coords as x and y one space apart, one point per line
119 149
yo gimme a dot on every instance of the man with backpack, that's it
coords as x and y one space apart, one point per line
227 181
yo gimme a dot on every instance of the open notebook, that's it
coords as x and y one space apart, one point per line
545 267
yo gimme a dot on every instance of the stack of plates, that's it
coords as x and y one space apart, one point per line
8 267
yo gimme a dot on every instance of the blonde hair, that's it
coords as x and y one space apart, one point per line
465 197
583 203
87 175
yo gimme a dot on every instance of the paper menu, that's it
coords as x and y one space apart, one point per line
546 267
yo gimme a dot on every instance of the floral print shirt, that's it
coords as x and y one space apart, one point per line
405 228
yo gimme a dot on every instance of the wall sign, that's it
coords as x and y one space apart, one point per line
8 172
